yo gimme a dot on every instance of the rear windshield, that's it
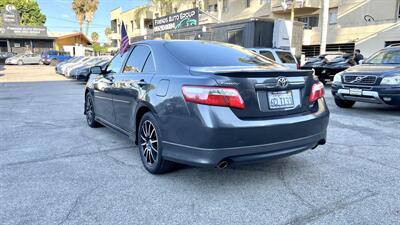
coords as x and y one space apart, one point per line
286 57
205 54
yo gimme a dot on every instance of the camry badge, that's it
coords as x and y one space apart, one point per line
282 82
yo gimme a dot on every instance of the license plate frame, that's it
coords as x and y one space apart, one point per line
356 91
278 100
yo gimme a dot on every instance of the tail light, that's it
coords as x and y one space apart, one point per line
218 96
317 92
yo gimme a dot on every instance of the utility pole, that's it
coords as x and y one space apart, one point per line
292 20
324 27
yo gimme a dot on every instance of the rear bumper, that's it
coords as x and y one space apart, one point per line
221 136
377 94
206 157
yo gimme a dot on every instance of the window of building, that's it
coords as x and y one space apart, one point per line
333 15
225 5
309 21
213 8
235 37
175 10
137 59
248 3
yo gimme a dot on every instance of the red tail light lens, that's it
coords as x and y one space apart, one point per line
317 92
218 96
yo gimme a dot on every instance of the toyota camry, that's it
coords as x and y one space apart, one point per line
206 104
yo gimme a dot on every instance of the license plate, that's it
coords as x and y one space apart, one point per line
355 91
280 99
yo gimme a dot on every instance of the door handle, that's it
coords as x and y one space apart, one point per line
142 83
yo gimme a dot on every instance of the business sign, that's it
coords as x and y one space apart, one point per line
187 18
23 31
9 15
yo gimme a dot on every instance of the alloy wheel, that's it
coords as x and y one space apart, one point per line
149 142
89 110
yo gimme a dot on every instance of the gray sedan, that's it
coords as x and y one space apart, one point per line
23 59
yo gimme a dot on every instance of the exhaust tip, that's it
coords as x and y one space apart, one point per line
222 165
320 142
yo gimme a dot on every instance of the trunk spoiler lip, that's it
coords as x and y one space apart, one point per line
255 71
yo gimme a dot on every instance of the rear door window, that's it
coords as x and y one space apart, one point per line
267 54
137 59
286 57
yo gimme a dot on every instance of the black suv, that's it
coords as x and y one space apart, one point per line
377 80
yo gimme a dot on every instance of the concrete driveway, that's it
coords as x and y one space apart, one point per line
54 169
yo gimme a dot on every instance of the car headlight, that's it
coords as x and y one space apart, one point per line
337 79
392 80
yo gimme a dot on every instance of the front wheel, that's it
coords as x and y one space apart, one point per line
150 146
20 63
54 62
344 103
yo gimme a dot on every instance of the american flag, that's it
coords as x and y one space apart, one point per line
124 40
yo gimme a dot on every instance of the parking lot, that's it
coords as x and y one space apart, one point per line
54 169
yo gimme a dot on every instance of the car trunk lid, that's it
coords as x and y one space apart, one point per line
262 89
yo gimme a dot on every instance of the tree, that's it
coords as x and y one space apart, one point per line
95 37
79 7
91 8
31 15
107 31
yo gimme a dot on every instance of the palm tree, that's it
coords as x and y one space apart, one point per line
79 7
90 10
95 37
107 32
163 6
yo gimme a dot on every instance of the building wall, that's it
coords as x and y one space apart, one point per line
367 23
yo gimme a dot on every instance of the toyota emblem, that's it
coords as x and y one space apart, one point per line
282 82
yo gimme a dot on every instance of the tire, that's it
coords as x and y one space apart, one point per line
54 62
41 62
150 147
344 103
89 111
20 62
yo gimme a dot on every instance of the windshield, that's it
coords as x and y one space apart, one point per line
209 54
385 57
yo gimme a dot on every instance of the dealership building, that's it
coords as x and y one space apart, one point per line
363 24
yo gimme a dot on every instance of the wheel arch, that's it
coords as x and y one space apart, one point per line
142 109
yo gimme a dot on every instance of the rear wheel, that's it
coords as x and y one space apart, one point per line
20 62
344 103
89 110
150 146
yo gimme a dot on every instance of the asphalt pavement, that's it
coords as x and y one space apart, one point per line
54 169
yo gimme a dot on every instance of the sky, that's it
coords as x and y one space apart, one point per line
60 16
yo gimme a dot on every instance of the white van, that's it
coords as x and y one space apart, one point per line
284 57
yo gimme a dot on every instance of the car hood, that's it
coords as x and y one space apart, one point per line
370 68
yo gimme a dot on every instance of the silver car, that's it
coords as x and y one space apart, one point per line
23 59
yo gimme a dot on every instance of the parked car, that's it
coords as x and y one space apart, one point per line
80 60
83 72
88 61
334 66
59 66
284 57
6 55
206 104
327 65
23 59
53 57
377 80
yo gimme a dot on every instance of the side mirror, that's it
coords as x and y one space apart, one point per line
361 62
96 70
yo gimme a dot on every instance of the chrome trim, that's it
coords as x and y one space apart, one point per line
110 99
367 96
248 146
118 100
